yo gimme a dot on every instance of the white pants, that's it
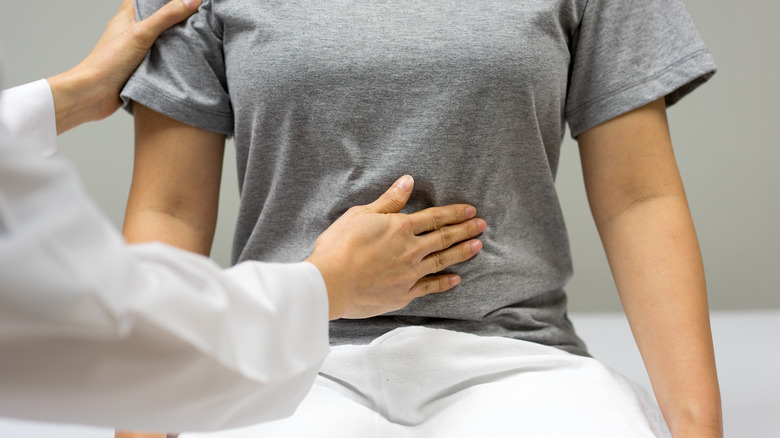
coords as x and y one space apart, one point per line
420 382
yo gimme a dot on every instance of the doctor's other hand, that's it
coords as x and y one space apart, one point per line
375 260
90 91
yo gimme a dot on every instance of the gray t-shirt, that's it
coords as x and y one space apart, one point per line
330 102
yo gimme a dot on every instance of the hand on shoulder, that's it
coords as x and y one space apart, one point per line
90 91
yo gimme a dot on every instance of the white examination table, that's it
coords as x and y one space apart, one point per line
746 347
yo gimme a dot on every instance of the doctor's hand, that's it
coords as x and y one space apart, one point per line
375 260
90 91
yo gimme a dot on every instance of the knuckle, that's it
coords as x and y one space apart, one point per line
473 227
445 236
395 204
458 213
439 261
437 219
408 260
405 226
141 34
354 210
422 288
425 286
434 285
466 251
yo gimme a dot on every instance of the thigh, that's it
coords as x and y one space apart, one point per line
423 383
324 413
591 401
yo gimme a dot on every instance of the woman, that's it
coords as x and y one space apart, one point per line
471 98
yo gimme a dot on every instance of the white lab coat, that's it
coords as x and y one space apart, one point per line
141 337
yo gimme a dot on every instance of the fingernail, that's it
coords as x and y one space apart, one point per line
405 183
470 212
454 280
191 4
481 225
476 246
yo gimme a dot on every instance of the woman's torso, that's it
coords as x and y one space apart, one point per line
334 101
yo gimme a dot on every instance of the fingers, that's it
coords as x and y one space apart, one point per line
459 253
395 198
433 285
172 13
445 237
436 217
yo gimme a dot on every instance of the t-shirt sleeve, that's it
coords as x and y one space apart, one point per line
183 76
628 53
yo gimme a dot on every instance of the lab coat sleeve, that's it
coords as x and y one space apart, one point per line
28 114
140 337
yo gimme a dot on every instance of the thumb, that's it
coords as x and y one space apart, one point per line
395 198
172 13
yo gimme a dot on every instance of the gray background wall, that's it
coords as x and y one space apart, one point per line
725 135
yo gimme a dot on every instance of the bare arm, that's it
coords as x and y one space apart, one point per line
639 205
176 177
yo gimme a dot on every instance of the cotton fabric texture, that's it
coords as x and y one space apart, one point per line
27 113
416 382
330 102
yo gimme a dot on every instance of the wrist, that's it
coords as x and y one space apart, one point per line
76 100
336 302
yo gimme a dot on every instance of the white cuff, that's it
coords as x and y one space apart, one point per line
27 111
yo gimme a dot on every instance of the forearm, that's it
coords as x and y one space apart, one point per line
655 259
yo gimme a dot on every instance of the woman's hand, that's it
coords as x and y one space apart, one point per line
90 91
375 260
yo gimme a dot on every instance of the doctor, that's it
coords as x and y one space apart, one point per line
84 317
